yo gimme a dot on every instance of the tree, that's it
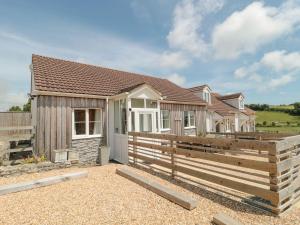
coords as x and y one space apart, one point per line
265 123
15 108
27 106
297 105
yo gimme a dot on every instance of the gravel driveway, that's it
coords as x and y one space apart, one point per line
107 198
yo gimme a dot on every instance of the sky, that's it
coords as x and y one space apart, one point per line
233 46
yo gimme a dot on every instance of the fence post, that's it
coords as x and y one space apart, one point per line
173 160
281 180
134 138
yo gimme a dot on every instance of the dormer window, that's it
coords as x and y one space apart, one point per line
242 104
206 96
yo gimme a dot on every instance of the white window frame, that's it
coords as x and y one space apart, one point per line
242 104
189 120
87 124
161 121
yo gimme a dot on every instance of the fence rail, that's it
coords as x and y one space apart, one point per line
268 169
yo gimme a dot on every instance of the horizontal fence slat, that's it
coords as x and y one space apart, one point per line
246 163
250 189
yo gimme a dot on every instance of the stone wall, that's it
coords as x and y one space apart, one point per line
88 149
6 171
191 131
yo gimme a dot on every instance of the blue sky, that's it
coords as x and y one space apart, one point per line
248 46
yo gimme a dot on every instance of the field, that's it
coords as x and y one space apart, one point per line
285 123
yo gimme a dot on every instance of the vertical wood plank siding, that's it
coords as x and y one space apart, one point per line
54 121
177 114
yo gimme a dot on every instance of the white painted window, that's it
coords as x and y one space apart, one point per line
242 104
86 123
189 119
120 116
143 103
206 96
165 119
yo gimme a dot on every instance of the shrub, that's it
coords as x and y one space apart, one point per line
265 123
273 124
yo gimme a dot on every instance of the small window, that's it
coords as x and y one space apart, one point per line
120 116
242 104
137 103
151 104
80 122
189 119
87 123
94 121
132 121
165 119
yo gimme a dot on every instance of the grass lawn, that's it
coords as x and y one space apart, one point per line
282 106
280 117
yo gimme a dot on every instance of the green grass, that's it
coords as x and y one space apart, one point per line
282 106
279 117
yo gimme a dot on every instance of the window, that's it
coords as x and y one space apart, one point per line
120 116
165 119
137 103
242 104
189 119
87 123
151 104
132 121
206 96
143 103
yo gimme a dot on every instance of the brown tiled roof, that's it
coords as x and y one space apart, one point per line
198 88
231 96
224 109
221 107
56 75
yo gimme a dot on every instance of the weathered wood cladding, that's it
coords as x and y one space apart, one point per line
177 114
54 121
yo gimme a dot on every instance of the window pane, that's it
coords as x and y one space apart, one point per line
95 128
151 104
165 119
192 118
145 122
186 119
117 117
79 115
79 122
123 119
132 121
137 103
80 128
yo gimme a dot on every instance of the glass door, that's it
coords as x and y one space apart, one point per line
146 121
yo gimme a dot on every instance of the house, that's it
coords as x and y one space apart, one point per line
88 109
225 113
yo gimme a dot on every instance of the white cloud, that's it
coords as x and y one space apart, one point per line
188 15
256 25
271 65
281 81
176 60
281 60
177 79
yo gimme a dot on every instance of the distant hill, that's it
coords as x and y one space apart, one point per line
277 118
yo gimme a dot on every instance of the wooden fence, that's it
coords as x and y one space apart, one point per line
264 171
15 123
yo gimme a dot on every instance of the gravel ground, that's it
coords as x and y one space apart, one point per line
107 198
